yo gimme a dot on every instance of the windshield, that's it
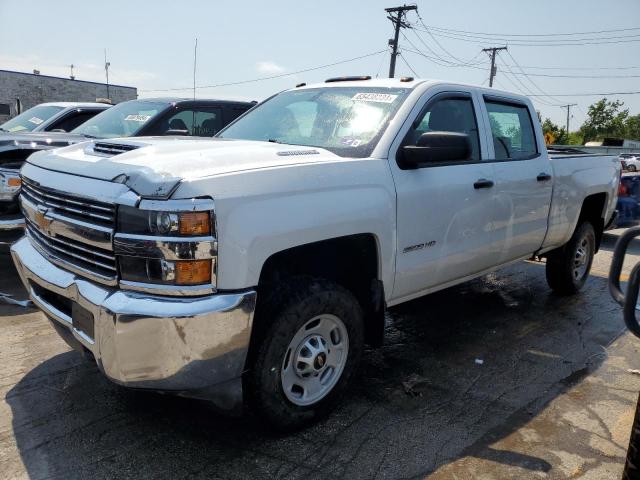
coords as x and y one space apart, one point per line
29 120
122 120
347 121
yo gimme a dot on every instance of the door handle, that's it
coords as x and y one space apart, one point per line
543 177
483 183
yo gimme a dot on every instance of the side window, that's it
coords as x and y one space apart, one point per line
231 113
512 131
72 120
199 123
453 114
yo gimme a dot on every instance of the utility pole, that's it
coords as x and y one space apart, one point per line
398 23
568 107
195 60
493 51
106 70
71 76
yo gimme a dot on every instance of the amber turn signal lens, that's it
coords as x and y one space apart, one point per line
193 272
14 182
195 223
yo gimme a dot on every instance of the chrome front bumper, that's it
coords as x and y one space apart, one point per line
194 347
11 227
14 221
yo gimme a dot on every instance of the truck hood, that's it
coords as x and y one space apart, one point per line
154 166
14 147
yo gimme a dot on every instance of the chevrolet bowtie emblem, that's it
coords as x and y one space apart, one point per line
42 221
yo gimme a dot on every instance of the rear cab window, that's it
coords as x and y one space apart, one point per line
198 122
512 130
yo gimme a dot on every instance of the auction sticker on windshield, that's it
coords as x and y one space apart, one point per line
36 120
375 97
137 118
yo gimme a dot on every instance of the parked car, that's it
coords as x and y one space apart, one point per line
22 135
156 116
53 117
254 267
628 205
630 161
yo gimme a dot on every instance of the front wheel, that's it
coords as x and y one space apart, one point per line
568 267
309 352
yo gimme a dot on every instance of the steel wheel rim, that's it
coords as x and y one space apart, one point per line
581 259
314 360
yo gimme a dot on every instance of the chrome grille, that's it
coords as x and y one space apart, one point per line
80 208
74 232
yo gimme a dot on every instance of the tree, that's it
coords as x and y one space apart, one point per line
632 128
605 119
559 134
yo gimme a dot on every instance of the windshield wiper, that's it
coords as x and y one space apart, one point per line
86 135
273 140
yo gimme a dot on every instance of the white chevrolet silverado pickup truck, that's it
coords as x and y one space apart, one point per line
252 268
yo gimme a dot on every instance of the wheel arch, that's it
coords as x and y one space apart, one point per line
352 261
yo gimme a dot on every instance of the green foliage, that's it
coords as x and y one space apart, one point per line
605 119
632 128
560 136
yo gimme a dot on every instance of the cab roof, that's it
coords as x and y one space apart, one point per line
74 104
408 83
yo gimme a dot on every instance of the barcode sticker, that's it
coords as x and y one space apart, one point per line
137 118
375 97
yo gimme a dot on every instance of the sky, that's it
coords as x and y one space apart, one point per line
150 45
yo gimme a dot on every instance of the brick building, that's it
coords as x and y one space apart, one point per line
20 91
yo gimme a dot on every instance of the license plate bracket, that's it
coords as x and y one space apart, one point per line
82 320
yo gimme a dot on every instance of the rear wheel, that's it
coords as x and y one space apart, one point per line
308 354
568 267
632 168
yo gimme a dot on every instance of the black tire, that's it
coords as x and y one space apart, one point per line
563 276
286 311
632 168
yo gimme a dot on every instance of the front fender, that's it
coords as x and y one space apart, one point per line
262 212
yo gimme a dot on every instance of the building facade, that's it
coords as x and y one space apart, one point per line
20 91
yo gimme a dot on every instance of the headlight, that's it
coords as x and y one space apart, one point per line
153 222
167 247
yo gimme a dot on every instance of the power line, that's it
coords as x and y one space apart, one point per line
540 43
529 79
436 40
437 59
526 90
536 34
523 38
580 68
407 64
280 75
606 94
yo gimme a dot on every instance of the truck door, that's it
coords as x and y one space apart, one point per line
444 211
523 183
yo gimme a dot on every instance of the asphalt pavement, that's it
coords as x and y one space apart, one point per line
497 378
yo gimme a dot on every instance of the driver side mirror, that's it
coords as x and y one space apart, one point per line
435 147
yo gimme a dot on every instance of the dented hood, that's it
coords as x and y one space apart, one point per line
154 166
